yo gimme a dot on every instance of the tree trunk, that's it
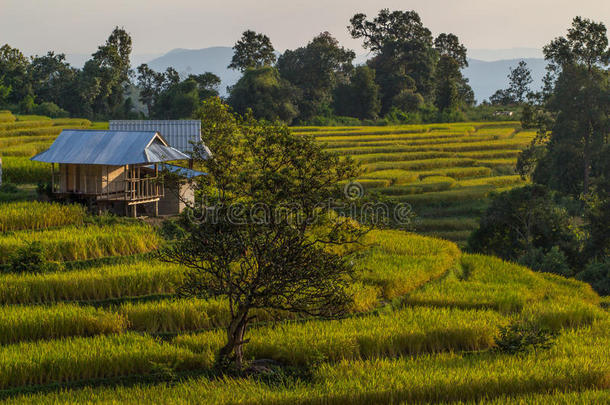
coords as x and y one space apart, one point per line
233 350
587 162
587 173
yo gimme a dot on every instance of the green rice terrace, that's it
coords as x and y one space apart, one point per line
428 324
444 171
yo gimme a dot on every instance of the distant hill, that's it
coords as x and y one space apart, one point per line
485 76
490 55
78 59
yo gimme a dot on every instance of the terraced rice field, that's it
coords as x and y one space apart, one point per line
106 325
445 171
423 327
23 136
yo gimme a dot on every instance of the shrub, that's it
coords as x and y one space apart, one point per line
50 110
30 258
523 338
8 188
171 230
598 275
553 261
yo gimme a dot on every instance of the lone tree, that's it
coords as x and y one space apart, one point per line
150 84
253 50
270 240
520 79
452 88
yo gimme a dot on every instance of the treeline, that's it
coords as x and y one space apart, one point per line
561 223
411 76
106 87
48 85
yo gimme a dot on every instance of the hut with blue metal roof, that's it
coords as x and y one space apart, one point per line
116 170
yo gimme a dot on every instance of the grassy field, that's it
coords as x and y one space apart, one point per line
37 215
423 328
107 326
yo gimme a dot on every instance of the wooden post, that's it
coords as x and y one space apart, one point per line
132 175
125 180
157 208
138 184
52 178
134 212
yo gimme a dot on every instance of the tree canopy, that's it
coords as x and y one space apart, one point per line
316 70
360 96
574 119
402 47
410 64
252 51
166 96
518 91
522 220
266 94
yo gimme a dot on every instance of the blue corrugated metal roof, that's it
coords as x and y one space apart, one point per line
102 147
182 171
181 134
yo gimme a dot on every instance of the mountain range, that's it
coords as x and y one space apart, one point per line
487 71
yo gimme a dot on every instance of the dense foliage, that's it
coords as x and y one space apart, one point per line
252 51
411 77
264 92
522 221
103 88
569 156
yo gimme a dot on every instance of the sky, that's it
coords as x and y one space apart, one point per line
157 26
